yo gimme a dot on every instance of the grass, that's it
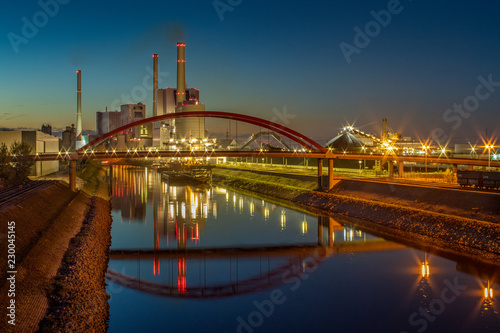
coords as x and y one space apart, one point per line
94 175
290 183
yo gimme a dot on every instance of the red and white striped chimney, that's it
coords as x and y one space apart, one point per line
155 83
79 105
181 73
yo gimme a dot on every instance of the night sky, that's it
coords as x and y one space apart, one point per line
312 65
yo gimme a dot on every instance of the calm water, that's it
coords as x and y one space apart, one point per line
213 260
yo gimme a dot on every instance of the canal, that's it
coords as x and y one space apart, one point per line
208 259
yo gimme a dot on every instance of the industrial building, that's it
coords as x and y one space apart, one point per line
134 112
167 134
107 121
68 142
180 99
47 129
40 143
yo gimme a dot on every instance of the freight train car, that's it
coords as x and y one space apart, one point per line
491 179
479 179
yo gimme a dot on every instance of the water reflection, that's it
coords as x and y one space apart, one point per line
187 243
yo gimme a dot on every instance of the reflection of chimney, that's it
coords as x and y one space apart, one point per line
79 105
181 73
155 82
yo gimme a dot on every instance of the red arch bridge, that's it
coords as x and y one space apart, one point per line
311 149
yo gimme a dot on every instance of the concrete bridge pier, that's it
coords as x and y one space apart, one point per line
320 173
330 173
401 169
390 166
72 175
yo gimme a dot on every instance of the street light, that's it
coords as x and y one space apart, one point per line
425 149
489 147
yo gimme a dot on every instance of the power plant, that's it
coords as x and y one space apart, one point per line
180 99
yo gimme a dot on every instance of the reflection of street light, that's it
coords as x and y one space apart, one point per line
489 147
283 219
425 267
304 226
488 292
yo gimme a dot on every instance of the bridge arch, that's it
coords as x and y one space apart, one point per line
283 130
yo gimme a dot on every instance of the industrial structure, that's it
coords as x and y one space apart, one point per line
40 143
68 142
47 129
181 99
107 121
168 134
79 130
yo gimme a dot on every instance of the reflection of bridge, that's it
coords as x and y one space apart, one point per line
298 259
294 261
311 148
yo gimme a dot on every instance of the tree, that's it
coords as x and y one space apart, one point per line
6 169
15 163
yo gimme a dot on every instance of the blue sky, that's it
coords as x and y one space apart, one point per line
263 56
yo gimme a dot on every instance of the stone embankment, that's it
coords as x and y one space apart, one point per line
398 212
45 252
78 301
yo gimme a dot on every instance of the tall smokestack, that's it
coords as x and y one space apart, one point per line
155 82
79 105
181 73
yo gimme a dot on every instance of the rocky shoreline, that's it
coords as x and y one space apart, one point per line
478 240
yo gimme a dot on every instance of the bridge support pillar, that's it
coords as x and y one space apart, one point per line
390 166
470 167
330 173
320 173
72 175
401 169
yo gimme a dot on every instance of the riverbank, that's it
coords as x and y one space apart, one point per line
77 298
400 211
45 224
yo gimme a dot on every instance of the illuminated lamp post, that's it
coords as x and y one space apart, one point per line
489 147
425 149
